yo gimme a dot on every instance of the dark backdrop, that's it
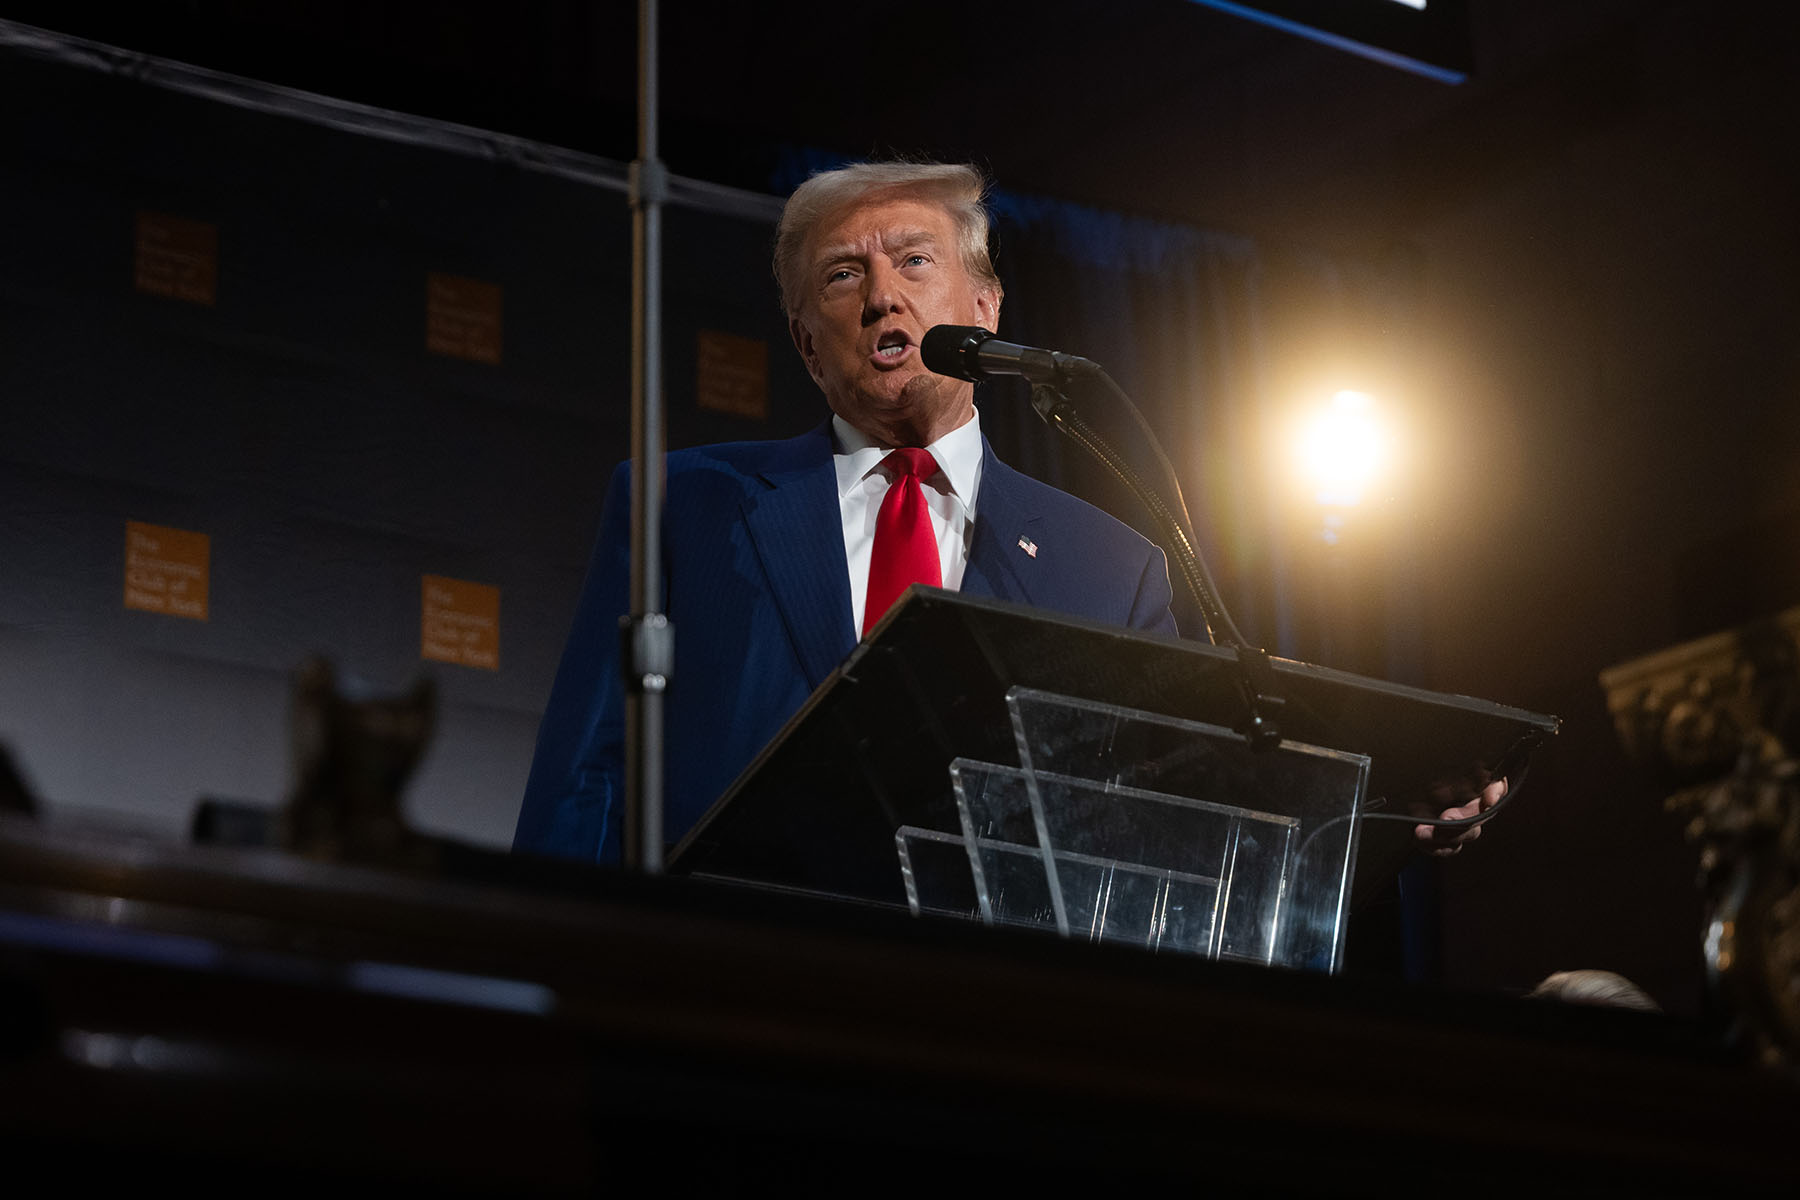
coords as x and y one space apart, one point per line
1588 255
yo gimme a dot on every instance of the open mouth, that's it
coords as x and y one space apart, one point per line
892 346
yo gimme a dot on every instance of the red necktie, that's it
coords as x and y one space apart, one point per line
906 549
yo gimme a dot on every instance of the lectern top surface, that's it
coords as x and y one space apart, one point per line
870 750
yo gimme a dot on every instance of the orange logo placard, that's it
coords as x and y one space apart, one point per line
733 374
460 622
167 570
462 318
177 258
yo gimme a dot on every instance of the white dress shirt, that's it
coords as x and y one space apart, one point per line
949 494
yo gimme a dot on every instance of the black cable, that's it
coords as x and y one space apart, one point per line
1175 525
1150 439
1514 782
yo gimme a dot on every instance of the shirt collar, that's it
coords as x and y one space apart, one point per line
958 455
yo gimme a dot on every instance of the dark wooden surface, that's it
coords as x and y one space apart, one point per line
206 1016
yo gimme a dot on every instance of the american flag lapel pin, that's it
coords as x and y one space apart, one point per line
1028 546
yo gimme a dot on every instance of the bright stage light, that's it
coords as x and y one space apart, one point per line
1343 449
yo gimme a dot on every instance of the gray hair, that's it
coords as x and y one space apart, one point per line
1603 988
961 189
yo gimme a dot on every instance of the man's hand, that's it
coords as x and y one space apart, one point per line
1445 840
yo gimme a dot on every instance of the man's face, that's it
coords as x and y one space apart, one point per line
878 275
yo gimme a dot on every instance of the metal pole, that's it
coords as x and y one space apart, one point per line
648 639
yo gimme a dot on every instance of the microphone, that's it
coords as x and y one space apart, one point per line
971 352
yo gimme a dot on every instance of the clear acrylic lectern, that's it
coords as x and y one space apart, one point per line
1128 827
981 760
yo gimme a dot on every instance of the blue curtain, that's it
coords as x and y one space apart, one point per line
1171 312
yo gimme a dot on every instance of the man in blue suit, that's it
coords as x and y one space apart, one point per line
772 549
769 545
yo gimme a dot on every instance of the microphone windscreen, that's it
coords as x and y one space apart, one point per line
944 348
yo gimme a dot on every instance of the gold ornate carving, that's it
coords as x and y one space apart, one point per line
1686 711
1718 721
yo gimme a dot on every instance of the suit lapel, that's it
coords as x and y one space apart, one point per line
801 548
999 565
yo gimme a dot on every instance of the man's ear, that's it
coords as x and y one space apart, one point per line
803 342
987 309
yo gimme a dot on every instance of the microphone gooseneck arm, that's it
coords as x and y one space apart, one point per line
972 352
1172 522
1256 676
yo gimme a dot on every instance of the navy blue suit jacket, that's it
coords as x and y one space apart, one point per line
757 587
